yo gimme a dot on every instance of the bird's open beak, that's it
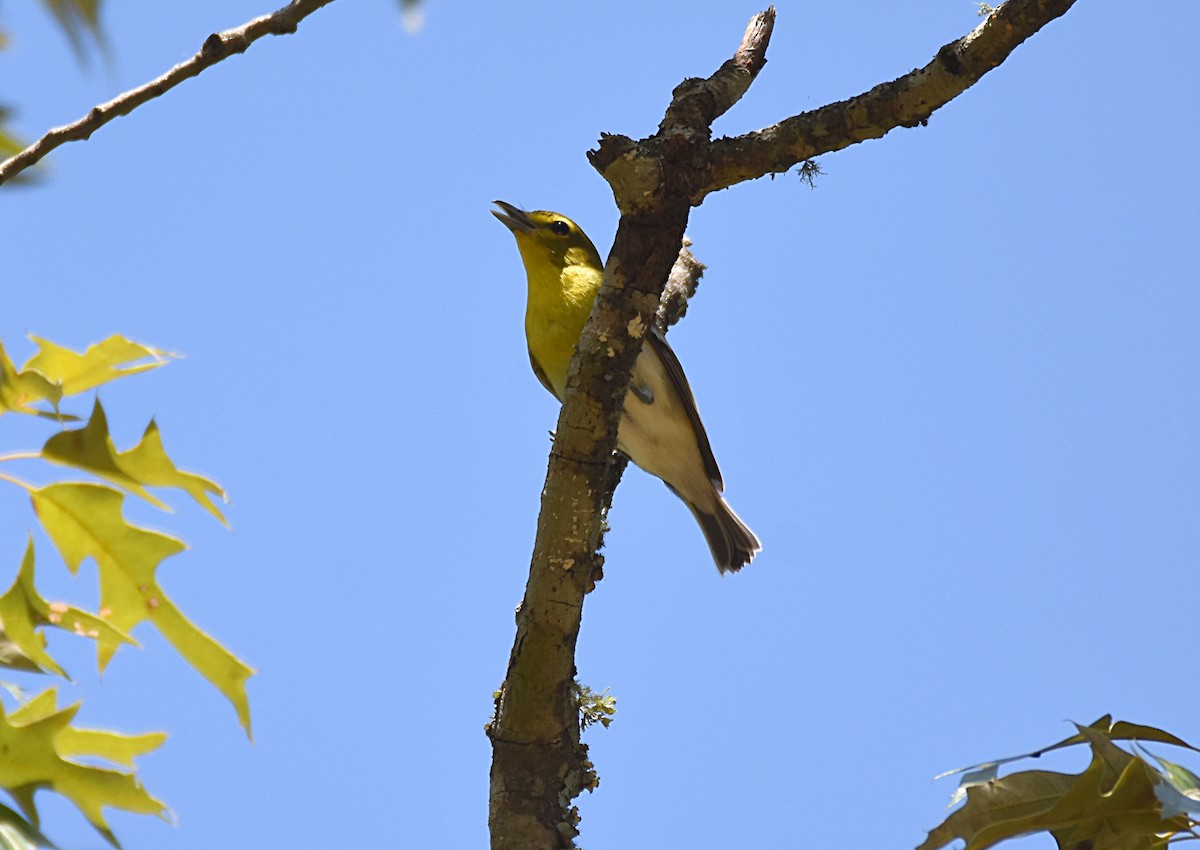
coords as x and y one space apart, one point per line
514 218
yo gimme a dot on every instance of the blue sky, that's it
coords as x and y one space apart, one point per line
954 390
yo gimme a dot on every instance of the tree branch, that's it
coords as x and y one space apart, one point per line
216 47
539 764
637 171
697 103
905 102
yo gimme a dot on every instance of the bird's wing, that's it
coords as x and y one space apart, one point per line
541 374
656 345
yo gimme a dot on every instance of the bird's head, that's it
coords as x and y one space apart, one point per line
545 237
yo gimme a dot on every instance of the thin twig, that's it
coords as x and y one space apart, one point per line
216 47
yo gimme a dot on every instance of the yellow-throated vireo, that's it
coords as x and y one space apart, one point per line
660 428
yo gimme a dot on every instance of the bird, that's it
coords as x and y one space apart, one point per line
660 428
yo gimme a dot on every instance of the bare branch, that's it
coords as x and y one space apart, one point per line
698 102
904 102
216 47
635 170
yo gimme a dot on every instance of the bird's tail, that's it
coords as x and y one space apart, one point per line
732 542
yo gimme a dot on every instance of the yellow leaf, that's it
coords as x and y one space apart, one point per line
13 657
104 361
85 521
1000 808
20 390
36 708
145 465
1119 731
23 611
32 760
1112 804
1115 793
114 746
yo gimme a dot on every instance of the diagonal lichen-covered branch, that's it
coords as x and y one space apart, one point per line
216 47
904 102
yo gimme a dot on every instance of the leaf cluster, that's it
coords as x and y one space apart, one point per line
1122 801
595 707
84 520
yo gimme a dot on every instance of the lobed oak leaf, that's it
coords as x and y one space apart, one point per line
85 521
23 611
23 388
103 361
1115 803
147 464
1180 791
116 747
32 761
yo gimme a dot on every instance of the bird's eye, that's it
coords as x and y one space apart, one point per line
560 228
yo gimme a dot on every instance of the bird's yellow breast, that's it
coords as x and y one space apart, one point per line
560 301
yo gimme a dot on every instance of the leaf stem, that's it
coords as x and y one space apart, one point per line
20 456
13 480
